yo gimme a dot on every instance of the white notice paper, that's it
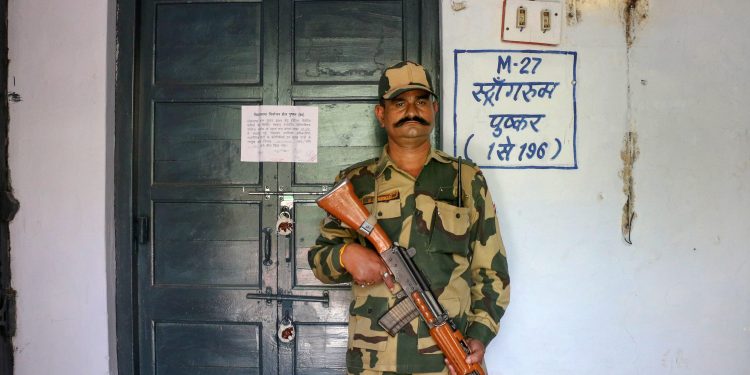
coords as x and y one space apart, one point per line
279 133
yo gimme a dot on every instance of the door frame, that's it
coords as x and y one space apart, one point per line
8 209
126 108
124 193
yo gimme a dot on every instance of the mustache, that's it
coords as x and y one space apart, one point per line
412 118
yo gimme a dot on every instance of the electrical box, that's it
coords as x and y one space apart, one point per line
532 21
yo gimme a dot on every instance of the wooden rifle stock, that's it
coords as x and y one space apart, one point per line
342 203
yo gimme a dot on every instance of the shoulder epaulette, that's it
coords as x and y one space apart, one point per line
445 155
464 161
469 163
361 164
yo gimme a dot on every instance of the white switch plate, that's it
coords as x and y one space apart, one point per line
532 33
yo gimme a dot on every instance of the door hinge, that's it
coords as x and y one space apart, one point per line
142 230
7 312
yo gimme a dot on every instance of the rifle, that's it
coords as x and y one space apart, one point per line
416 298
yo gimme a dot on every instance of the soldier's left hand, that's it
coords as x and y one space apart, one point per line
476 356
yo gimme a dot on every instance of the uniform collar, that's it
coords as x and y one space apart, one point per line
385 160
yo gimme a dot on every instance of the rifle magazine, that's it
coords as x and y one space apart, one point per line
398 316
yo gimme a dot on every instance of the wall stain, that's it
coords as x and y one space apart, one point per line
634 12
629 154
573 12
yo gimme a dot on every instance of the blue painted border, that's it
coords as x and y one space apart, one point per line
456 52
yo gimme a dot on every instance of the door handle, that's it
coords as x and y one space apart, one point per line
267 247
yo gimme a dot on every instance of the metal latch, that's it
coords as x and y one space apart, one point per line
7 312
269 296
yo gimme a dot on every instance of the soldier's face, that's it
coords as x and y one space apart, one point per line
408 119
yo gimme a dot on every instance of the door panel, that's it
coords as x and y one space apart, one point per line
345 41
197 143
207 348
208 43
207 243
321 349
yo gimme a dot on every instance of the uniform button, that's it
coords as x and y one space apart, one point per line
380 213
458 216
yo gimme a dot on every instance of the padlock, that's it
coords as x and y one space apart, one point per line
284 224
286 330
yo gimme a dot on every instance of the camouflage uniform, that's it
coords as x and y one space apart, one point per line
459 250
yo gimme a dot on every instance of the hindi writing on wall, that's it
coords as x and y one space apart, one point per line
515 109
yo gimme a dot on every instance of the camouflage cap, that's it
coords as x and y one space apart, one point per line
403 77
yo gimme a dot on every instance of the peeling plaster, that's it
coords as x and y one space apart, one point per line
574 13
629 154
458 5
634 13
576 8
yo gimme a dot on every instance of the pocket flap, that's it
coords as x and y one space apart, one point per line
452 219
385 209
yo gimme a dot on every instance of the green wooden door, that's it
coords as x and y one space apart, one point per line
208 221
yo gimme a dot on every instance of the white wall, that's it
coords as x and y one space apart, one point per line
677 301
58 64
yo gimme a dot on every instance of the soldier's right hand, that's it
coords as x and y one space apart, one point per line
365 265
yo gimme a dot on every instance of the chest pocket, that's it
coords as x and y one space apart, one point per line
385 210
450 229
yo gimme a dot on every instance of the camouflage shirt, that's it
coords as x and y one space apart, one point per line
459 250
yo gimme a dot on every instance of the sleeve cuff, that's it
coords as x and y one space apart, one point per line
481 332
336 258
